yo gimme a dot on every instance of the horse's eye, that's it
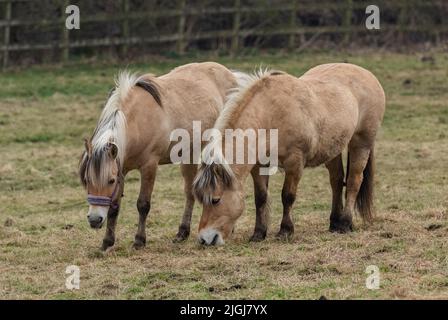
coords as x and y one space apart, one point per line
112 181
215 201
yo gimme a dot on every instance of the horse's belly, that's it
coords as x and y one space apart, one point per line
329 147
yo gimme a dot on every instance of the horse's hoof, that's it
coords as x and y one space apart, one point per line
107 244
139 243
284 235
341 226
258 236
181 235
286 232
180 238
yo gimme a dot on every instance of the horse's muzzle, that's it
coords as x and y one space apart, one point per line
95 223
210 237
97 216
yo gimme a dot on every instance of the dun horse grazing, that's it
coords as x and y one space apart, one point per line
318 115
133 132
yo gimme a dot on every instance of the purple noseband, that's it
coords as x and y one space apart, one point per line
104 201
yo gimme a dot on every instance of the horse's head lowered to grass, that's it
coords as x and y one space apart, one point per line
221 196
218 186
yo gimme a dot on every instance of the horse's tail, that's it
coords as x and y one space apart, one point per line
364 199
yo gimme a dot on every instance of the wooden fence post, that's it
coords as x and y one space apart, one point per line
236 28
181 29
348 20
7 33
402 20
293 25
125 26
64 34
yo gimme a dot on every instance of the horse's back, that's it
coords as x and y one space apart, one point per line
203 74
325 108
199 89
196 92
362 83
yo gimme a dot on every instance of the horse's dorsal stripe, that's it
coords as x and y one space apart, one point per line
152 88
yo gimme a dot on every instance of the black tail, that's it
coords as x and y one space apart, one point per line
346 174
364 200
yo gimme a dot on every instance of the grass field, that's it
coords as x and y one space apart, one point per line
46 111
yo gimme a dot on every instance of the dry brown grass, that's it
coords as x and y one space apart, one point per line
43 228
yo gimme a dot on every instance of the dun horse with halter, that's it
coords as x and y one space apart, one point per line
318 115
133 132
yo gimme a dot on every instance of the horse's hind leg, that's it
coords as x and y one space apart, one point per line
336 171
261 203
358 159
188 172
147 178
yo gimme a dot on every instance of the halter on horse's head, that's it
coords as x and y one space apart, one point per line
104 201
101 174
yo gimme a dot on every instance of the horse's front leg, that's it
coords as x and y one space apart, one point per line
147 178
112 215
261 204
293 173
188 173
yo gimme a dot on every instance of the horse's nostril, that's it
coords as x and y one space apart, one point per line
201 241
100 219
215 239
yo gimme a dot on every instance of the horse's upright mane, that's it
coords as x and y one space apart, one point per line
111 127
235 98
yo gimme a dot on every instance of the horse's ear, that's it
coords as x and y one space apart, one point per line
88 146
112 149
